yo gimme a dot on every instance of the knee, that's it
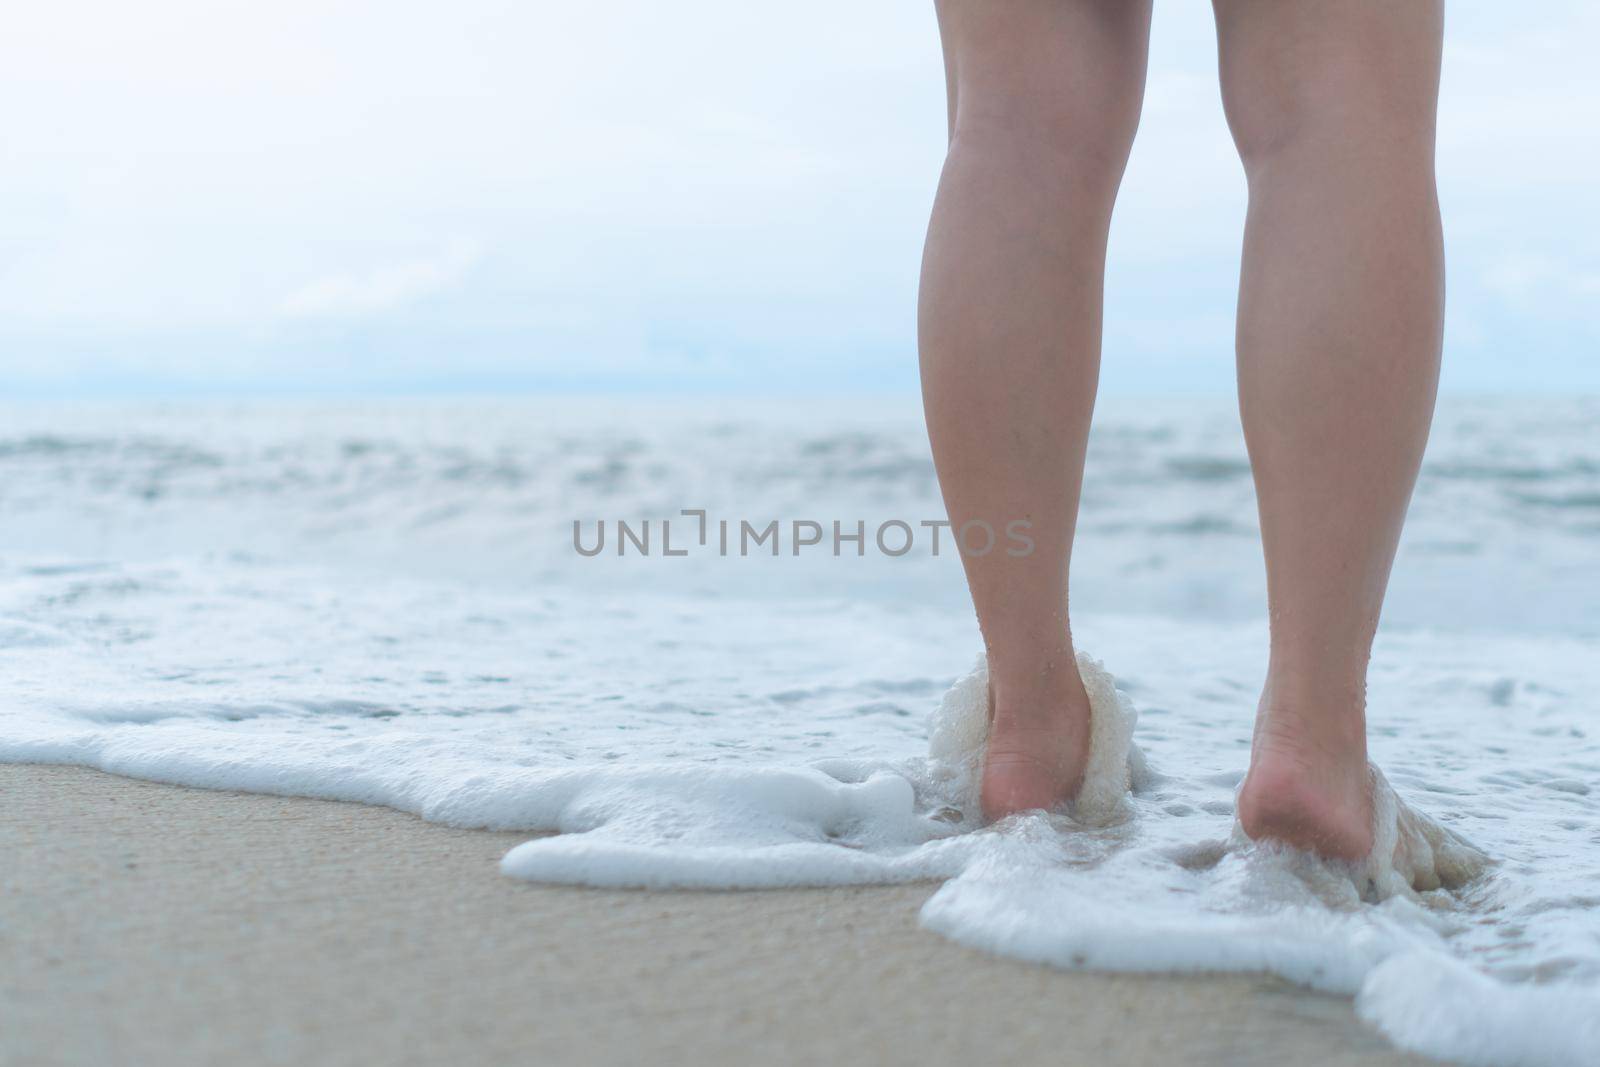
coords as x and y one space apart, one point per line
1045 87
1054 133
1342 111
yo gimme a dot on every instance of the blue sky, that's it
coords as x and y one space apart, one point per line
233 196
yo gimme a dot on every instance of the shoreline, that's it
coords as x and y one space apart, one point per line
142 922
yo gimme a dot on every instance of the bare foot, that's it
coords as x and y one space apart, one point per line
1038 745
1308 787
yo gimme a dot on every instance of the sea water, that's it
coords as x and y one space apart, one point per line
383 602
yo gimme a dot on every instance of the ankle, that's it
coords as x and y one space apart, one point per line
1050 683
1333 726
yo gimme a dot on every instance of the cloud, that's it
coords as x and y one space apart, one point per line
383 288
191 194
1522 279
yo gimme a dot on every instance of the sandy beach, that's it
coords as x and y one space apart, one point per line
144 923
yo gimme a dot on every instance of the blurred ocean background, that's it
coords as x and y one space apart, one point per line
1501 535
325 560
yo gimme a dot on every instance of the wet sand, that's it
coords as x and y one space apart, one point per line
144 923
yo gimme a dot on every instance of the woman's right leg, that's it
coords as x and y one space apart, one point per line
1045 98
1341 309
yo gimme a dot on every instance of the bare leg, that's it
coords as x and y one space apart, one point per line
1045 99
1340 309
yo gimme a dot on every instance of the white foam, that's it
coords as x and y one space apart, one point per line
1449 1010
763 828
755 829
1073 890
1040 895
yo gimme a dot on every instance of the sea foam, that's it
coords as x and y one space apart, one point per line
1042 893
1076 890
959 729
